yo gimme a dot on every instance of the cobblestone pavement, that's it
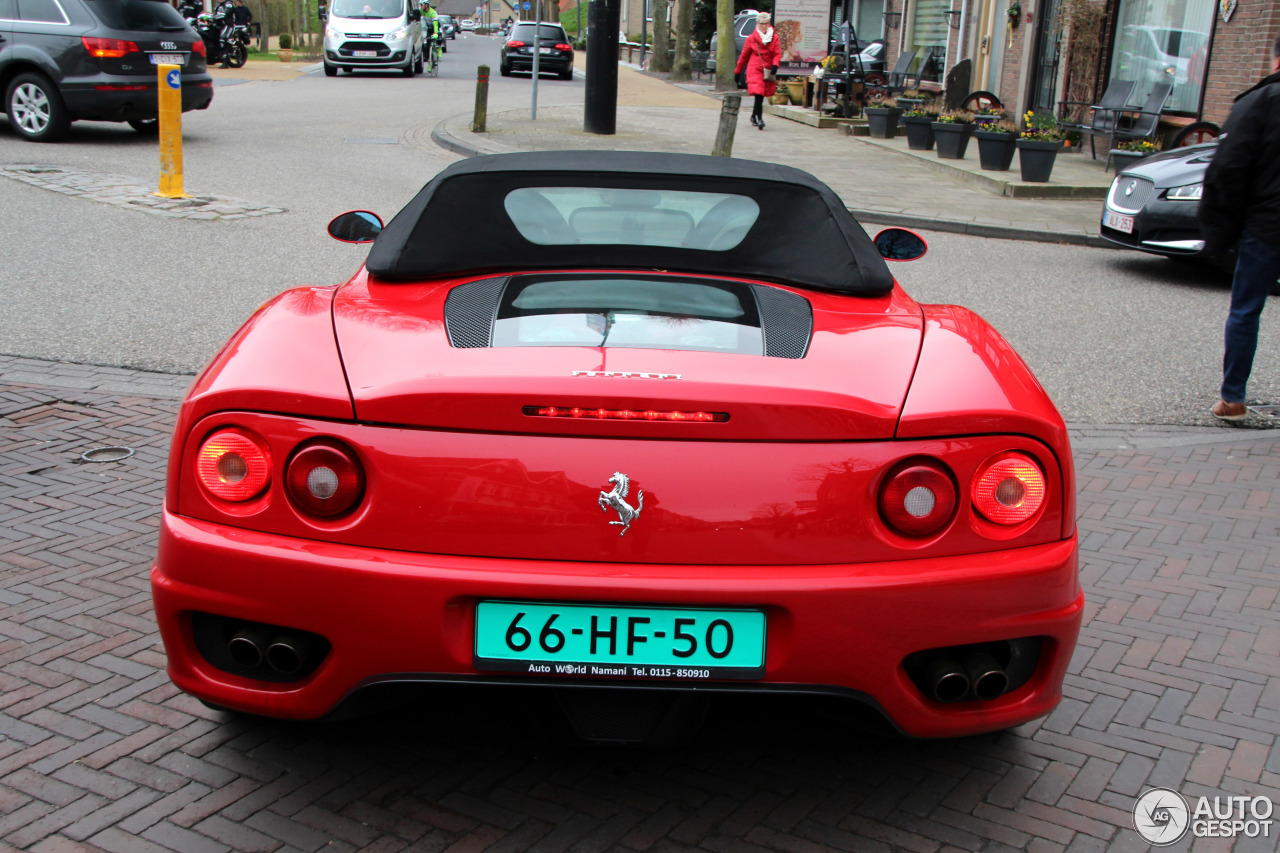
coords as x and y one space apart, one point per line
129 192
1176 683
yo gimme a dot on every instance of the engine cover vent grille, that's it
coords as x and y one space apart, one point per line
787 320
469 311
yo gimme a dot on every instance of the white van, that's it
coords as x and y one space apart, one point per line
375 35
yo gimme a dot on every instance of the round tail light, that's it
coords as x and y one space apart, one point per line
918 498
1009 489
232 466
324 479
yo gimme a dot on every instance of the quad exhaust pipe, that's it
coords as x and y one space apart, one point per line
949 681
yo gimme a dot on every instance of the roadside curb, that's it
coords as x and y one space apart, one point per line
445 135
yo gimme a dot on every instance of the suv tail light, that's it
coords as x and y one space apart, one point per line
918 497
1009 489
198 47
232 466
324 479
514 43
108 48
563 46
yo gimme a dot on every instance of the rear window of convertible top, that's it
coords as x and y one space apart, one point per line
560 216
644 312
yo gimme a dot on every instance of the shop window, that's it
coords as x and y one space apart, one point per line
1164 40
929 35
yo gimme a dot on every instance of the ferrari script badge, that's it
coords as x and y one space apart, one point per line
617 499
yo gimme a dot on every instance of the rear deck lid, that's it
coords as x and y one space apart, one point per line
624 354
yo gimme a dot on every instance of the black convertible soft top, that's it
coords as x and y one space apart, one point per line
461 223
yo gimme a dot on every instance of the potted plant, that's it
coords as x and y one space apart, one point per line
996 145
882 119
911 99
987 116
1038 146
1131 151
795 90
952 131
918 121
285 53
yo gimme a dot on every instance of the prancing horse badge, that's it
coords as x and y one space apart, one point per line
617 499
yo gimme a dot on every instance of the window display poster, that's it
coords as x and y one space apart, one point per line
804 31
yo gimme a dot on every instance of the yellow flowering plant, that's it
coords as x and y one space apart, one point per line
1042 127
1141 146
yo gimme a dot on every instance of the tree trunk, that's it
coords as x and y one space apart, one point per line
661 38
551 11
726 59
264 37
683 67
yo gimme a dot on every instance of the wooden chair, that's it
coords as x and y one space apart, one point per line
1105 116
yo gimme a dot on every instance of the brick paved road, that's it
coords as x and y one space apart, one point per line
1176 683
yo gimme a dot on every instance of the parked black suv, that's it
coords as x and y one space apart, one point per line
66 60
556 53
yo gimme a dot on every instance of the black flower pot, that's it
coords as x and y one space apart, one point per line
882 122
1036 158
1122 160
919 132
995 149
952 138
910 103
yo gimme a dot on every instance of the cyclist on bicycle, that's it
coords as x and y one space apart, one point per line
431 33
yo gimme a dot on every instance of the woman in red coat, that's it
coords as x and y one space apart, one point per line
761 52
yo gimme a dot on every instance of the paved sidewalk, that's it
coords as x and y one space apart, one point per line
1175 683
880 183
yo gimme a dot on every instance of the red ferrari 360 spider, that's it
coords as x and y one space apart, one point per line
646 422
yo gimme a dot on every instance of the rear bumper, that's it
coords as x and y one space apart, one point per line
396 616
86 101
546 64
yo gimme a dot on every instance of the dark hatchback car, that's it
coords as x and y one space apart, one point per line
1152 205
68 60
555 51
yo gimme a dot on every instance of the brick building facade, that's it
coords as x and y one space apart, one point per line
1210 59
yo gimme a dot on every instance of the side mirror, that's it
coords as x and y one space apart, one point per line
899 244
415 15
355 226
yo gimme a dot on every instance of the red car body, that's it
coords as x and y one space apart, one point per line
467 491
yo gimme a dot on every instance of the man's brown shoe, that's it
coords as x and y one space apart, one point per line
1224 411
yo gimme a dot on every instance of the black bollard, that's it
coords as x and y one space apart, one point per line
601 113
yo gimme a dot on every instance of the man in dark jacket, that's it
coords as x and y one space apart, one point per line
1242 202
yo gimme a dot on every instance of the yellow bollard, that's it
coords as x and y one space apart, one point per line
169 89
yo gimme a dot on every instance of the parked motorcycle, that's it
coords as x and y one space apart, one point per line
224 41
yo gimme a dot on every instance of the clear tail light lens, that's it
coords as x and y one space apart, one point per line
1009 489
918 498
108 48
325 479
233 466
